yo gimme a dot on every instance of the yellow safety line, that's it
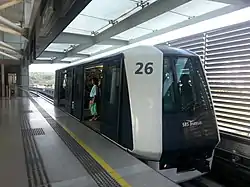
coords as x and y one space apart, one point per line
105 165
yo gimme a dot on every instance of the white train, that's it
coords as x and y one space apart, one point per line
154 101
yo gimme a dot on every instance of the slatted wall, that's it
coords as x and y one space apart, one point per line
226 56
195 43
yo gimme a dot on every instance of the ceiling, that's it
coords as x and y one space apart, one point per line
14 13
12 41
112 24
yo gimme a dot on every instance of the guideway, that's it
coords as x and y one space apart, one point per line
59 151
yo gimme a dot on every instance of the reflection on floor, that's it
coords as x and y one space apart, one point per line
96 125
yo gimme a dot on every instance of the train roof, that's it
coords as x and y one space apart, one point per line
166 50
174 51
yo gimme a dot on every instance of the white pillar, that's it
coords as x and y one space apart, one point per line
3 82
28 8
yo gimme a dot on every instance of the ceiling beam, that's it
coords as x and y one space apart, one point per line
233 2
9 4
114 42
198 19
106 50
8 50
79 48
155 9
71 38
11 25
51 54
61 55
56 61
8 55
9 46
9 30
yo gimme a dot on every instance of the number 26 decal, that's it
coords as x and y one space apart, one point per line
148 69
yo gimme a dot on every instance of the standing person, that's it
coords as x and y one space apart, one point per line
93 99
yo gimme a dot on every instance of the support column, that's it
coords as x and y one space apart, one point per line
24 77
3 81
28 6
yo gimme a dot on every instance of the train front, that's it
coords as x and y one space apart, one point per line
190 131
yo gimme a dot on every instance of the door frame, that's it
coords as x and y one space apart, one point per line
84 67
75 68
120 58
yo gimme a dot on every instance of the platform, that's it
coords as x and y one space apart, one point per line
43 146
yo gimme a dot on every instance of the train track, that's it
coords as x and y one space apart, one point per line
46 98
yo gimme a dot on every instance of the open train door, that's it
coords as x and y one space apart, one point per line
110 94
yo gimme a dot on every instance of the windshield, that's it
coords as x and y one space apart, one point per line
184 85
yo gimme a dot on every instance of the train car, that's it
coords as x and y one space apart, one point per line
154 101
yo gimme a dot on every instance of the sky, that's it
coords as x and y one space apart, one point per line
214 23
45 67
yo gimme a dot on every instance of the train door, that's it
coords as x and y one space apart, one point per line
77 92
91 72
57 88
68 90
111 85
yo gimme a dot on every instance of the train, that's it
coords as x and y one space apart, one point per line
154 102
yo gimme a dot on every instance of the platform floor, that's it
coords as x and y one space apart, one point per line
42 146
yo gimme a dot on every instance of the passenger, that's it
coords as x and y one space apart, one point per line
93 99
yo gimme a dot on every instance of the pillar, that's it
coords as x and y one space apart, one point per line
3 81
24 73
27 12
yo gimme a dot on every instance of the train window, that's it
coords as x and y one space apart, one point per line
65 80
192 86
168 86
184 80
184 85
114 83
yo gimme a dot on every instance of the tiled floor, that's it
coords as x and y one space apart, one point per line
62 167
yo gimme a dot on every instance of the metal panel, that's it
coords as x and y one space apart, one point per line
226 56
228 70
195 43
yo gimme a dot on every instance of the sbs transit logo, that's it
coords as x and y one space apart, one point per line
190 123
